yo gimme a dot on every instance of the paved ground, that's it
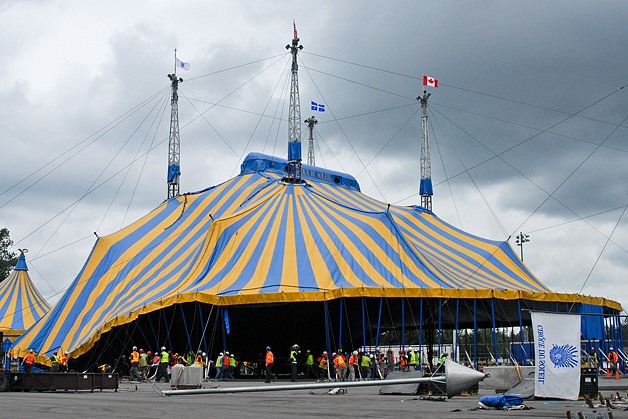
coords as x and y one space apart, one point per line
143 401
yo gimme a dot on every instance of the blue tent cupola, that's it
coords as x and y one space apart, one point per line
21 263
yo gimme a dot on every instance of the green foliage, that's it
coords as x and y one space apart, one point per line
7 259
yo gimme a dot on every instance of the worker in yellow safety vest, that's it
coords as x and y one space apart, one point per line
164 360
323 366
366 365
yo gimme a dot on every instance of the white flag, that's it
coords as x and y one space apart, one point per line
181 64
557 355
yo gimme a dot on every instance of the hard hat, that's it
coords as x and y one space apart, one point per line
324 352
135 348
149 353
198 352
163 348
226 352
221 354
308 351
204 354
611 348
232 355
55 352
355 352
334 354
268 348
67 353
31 351
141 351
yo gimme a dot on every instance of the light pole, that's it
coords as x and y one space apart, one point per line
522 238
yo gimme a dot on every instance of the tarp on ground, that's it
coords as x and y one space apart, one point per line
256 239
21 305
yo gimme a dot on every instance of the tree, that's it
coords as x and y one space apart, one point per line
7 259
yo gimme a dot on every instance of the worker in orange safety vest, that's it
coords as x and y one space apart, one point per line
341 367
135 364
29 361
270 360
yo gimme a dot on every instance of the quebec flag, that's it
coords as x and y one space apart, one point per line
317 106
182 65
557 355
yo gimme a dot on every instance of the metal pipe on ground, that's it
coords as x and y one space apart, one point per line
457 378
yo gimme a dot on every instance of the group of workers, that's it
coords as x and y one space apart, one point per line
349 366
58 362
155 366
341 366
612 362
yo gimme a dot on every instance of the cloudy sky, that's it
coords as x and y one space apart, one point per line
528 126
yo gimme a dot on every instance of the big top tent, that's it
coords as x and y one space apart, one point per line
272 255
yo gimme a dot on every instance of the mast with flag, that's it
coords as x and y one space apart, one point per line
174 143
425 187
294 114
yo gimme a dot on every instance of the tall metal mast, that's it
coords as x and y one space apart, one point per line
425 187
311 121
294 114
174 144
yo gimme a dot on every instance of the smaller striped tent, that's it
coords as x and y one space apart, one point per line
21 305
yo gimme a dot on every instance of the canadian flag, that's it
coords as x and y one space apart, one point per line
430 81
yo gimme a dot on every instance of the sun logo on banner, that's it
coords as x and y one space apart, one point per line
565 356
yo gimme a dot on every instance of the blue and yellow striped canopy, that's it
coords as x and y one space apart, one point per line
258 239
21 305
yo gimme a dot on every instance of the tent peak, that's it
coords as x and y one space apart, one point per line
21 261
258 162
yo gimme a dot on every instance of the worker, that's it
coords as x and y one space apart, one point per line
592 358
270 360
366 364
199 359
390 361
143 365
135 363
54 359
613 359
153 361
104 368
233 365
226 366
219 365
341 367
441 362
403 361
353 365
413 359
323 367
63 362
164 361
294 351
29 361
309 365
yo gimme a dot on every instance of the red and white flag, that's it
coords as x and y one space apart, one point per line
430 81
296 35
